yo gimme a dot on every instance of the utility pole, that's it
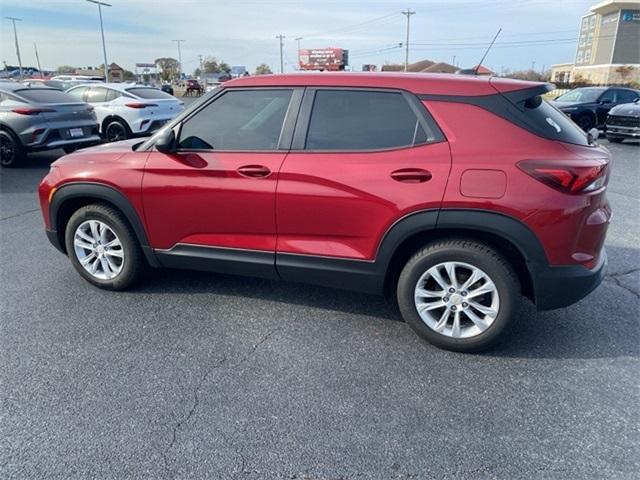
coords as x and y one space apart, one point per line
35 47
281 38
408 14
533 66
15 34
298 40
104 47
179 42
454 61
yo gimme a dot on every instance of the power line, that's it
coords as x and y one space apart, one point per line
354 26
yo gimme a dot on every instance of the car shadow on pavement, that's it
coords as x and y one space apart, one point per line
603 325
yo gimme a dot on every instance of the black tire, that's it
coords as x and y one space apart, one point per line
473 253
133 264
115 131
615 139
585 122
12 153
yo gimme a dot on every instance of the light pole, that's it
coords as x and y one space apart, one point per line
408 14
104 47
179 42
15 34
281 37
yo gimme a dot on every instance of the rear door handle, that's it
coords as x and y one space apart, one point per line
411 175
254 171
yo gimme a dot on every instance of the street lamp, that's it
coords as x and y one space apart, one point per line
104 48
15 34
179 42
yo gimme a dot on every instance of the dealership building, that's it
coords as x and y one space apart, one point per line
608 49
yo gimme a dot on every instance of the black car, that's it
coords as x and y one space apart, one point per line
623 122
166 88
589 106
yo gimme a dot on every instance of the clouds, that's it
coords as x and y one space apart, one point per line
243 31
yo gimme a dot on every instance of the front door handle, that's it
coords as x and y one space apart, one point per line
254 171
411 175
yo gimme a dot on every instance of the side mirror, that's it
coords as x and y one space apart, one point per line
165 141
592 136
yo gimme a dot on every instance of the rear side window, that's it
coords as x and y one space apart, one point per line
240 120
112 95
148 93
46 95
549 122
362 120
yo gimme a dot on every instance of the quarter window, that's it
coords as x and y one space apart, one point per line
112 95
362 120
238 120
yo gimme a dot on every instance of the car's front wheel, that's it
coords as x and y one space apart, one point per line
12 152
103 248
615 139
458 295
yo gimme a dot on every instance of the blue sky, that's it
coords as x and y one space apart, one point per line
242 32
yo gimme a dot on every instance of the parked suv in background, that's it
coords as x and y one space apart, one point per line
589 106
42 118
457 195
623 122
125 110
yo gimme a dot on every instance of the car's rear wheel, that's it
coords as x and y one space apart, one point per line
458 295
585 122
103 248
12 152
116 131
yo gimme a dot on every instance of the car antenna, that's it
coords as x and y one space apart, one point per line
475 71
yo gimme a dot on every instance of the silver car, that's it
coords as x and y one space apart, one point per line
42 118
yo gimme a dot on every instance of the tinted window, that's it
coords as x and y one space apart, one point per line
550 122
360 120
626 96
608 96
148 93
46 95
241 120
78 92
96 95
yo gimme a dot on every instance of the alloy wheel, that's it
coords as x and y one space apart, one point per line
7 151
456 299
116 132
98 249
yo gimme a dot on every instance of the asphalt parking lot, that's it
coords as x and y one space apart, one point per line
198 375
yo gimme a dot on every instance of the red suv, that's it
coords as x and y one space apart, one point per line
458 195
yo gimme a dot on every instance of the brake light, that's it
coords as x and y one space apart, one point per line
31 111
140 105
571 177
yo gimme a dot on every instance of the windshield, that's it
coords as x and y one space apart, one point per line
149 93
581 95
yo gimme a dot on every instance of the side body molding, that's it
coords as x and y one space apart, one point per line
110 195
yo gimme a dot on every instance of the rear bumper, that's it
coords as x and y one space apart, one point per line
557 287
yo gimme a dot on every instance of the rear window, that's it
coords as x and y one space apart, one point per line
148 93
551 123
45 95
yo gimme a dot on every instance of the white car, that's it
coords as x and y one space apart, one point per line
126 110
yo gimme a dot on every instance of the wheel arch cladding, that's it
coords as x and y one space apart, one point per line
69 198
509 236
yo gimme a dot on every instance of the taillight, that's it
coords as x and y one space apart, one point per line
573 177
31 111
140 105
